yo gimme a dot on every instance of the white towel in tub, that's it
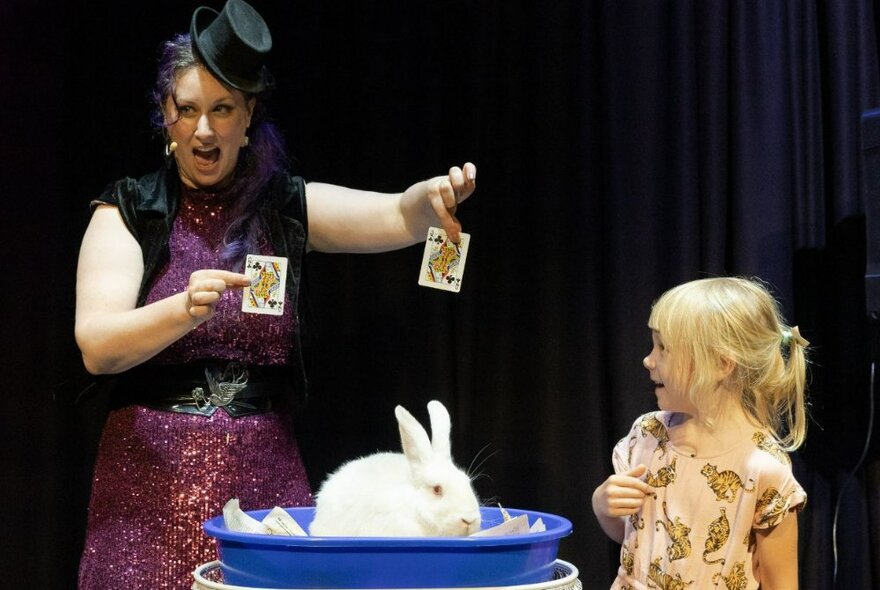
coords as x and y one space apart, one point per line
277 522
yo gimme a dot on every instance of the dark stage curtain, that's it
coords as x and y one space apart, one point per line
622 147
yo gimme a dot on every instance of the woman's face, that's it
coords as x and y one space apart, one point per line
209 125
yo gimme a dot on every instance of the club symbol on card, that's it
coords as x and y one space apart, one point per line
266 291
443 261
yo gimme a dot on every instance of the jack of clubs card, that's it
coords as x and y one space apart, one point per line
443 261
266 291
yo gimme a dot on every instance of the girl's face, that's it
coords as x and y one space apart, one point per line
668 374
209 125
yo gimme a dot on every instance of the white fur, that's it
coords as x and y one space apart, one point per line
392 494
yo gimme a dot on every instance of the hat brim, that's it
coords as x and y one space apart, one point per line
201 19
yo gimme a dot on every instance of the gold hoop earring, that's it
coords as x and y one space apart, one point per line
246 141
170 147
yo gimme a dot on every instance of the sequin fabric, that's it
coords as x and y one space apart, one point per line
195 243
160 475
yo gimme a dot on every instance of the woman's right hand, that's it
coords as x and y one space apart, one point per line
114 334
205 289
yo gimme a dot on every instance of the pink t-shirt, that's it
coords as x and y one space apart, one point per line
698 532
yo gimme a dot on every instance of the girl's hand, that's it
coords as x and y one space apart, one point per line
622 494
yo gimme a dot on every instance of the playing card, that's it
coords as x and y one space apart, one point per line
443 261
266 291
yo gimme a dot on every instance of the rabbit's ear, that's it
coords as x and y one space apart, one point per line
413 438
440 427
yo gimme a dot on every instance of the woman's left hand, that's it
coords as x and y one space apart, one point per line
349 220
444 193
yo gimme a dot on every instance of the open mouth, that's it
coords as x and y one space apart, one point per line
657 384
206 157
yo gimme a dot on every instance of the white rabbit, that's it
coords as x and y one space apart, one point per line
419 493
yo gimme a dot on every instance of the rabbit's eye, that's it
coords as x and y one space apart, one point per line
438 490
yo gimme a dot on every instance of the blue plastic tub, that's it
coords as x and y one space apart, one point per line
265 561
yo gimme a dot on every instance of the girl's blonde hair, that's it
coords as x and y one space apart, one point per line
709 322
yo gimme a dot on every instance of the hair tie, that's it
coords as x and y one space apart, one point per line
793 334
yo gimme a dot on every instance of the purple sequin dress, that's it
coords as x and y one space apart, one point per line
160 475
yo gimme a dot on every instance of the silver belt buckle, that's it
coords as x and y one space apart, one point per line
223 385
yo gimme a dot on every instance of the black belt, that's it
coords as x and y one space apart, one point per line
201 388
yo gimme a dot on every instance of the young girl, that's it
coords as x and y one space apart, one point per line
703 494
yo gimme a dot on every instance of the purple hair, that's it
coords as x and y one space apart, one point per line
263 158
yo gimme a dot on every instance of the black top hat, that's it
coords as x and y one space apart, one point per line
233 44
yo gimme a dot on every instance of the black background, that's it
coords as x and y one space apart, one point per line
622 147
